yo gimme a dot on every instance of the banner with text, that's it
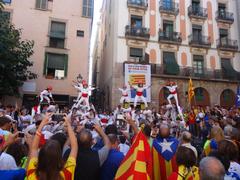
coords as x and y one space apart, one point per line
135 73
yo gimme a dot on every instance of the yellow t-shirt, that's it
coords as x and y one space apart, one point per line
67 173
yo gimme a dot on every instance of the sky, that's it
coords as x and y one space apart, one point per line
96 19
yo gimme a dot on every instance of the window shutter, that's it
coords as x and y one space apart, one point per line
65 65
45 64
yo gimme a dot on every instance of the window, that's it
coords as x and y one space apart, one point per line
195 6
87 10
57 34
227 95
199 94
197 33
223 35
136 21
42 4
80 33
56 66
168 4
198 65
7 1
168 28
222 10
136 53
170 64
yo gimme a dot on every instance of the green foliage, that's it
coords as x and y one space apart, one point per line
14 55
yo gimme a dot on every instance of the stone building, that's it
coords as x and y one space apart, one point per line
179 39
61 33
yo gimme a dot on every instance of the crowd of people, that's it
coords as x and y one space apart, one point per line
52 144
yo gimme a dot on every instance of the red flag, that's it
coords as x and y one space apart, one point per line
137 164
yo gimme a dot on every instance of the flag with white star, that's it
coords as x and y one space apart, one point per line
238 97
164 159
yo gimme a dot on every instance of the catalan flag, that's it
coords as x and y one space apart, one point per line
137 163
209 146
164 159
191 92
137 78
185 173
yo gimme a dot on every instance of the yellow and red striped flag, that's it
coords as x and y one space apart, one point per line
191 92
137 163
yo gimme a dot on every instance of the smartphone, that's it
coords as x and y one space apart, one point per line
21 135
58 117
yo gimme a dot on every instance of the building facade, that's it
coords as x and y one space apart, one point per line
179 39
61 33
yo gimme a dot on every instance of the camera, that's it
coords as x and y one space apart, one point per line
89 126
58 117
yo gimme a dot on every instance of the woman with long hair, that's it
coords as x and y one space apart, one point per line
48 163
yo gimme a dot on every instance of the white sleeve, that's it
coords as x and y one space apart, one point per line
120 89
50 95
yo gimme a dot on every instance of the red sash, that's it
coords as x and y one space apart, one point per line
84 95
104 120
125 95
174 92
139 93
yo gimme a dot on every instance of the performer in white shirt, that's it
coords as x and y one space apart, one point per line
125 90
85 90
139 94
46 94
172 87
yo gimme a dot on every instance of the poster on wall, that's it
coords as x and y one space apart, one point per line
135 73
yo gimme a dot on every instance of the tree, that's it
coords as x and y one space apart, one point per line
14 58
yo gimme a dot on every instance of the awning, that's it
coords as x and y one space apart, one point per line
170 64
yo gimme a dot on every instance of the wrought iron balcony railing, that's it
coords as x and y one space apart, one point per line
197 12
137 32
137 4
169 7
227 44
199 41
224 16
208 74
170 37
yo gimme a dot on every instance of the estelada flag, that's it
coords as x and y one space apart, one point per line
164 158
191 92
137 164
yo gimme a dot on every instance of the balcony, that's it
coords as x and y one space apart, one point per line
224 17
170 37
199 41
139 33
139 4
227 45
169 7
186 72
197 12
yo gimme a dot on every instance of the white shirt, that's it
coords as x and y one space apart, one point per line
123 148
172 89
124 91
46 93
234 167
140 89
7 162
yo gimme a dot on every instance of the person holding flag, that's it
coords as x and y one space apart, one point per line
191 92
163 153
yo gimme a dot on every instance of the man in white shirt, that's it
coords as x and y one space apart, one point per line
186 141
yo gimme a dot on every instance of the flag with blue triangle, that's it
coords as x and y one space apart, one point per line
238 97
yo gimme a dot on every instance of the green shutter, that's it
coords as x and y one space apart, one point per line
66 65
45 64
171 66
228 70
